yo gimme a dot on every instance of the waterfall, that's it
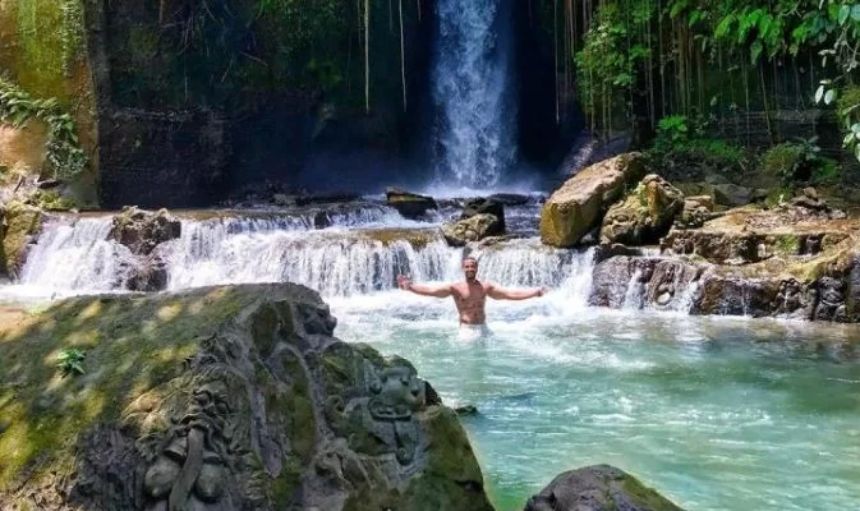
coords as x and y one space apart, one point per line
633 296
75 255
476 113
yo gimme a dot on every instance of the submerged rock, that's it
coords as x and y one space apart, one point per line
577 207
598 488
221 398
410 205
141 231
644 215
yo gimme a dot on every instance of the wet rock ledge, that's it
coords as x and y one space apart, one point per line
218 399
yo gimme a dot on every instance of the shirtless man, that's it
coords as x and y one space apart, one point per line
470 296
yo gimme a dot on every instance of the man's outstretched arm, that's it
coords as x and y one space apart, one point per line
499 293
440 291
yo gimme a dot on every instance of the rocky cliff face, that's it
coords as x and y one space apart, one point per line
216 399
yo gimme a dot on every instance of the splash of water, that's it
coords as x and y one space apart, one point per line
473 92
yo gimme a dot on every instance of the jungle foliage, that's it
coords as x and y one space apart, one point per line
637 61
64 156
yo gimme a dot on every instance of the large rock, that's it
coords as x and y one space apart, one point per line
410 205
823 287
474 228
598 488
19 225
141 231
219 399
644 215
577 207
697 210
749 234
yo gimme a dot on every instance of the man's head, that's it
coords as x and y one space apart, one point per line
470 268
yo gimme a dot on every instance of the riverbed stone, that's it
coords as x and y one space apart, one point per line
478 206
234 397
408 204
644 215
141 230
598 488
474 228
579 204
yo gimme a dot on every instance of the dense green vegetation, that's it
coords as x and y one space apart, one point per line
637 61
65 158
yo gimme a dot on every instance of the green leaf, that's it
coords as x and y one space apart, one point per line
755 51
844 12
855 12
848 139
830 96
857 152
855 127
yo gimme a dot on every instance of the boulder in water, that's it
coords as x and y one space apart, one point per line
598 488
141 231
410 205
473 228
221 398
577 207
644 215
478 206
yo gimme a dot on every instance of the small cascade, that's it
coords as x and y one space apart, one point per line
687 297
335 265
634 295
76 256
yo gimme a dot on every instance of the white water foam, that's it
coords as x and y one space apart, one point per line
75 256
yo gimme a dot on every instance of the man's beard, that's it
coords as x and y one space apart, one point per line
471 278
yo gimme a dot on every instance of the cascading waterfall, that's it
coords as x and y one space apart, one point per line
475 129
76 256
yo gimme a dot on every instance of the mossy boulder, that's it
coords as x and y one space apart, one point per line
579 204
220 398
644 215
598 488
19 223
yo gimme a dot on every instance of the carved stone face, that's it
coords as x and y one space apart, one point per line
396 394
